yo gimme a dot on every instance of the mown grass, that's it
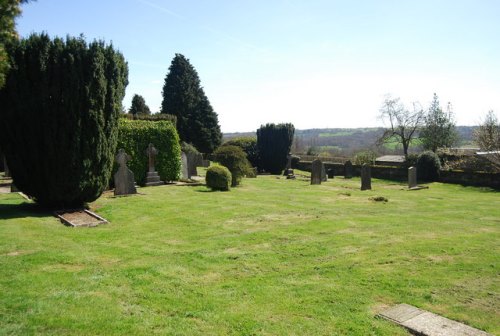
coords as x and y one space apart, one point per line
272 257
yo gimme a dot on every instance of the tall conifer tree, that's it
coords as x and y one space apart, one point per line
183 96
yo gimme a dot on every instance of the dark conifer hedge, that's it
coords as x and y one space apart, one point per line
274 143
59 113
135 136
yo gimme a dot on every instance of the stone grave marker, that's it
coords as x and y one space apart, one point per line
184 166
412 177
331 173
6 168
348 169
366 177
324 177
288 170
124 177
152 178
316 171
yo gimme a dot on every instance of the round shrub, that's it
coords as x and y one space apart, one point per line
365 157
235 160
428 166
218 178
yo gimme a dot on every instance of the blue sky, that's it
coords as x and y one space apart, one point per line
314 63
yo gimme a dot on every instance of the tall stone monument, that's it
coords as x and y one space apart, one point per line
412 177
124 177
152 178
366 177
324 177
348 169
288 170
316 168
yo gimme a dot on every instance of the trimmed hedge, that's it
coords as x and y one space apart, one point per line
134 137
218 178
249 146
151 117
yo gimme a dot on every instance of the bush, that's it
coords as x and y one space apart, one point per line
274 142
249 146
188 148
365 157
218 178
235 160
428 166
60 109
411 160
134 136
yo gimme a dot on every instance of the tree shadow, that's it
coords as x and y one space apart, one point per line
13 211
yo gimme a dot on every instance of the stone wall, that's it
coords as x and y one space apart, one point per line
478 179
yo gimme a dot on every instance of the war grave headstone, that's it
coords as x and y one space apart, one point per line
184 167
412 177
316 171
193 161
124 177
366 177
152 177
348 169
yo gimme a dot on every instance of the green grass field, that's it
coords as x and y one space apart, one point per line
272 257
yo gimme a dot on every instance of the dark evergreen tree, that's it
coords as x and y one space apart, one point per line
60 109
439 128
138 106
183 96
274 143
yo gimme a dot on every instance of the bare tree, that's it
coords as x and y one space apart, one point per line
402 123
487 137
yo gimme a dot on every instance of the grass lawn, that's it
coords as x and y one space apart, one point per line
272 257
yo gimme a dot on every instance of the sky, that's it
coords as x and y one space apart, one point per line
314 63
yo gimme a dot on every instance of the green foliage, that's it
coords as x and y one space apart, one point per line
439 128
274 143
139 106
365 157
218 178
249 146
188 148
411 160
151 117
135 135
487 135
235 160
183 96
60 108
428 166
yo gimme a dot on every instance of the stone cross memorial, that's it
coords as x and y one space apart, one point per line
316 171
412 177
124 177
366 177
348 169
152 178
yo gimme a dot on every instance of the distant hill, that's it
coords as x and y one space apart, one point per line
346 141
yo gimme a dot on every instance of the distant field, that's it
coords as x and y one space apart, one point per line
272 257
337 134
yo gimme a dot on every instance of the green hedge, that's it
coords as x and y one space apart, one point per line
135 135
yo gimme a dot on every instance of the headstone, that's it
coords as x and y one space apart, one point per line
124 177
6 168
184 166
412 177
331 173
316 171
348 169
324 177
288 170
152 178
366 177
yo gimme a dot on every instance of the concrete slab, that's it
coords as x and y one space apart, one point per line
424 323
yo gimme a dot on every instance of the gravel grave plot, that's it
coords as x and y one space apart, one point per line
80 217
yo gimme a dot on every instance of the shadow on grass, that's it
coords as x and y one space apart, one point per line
12 211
